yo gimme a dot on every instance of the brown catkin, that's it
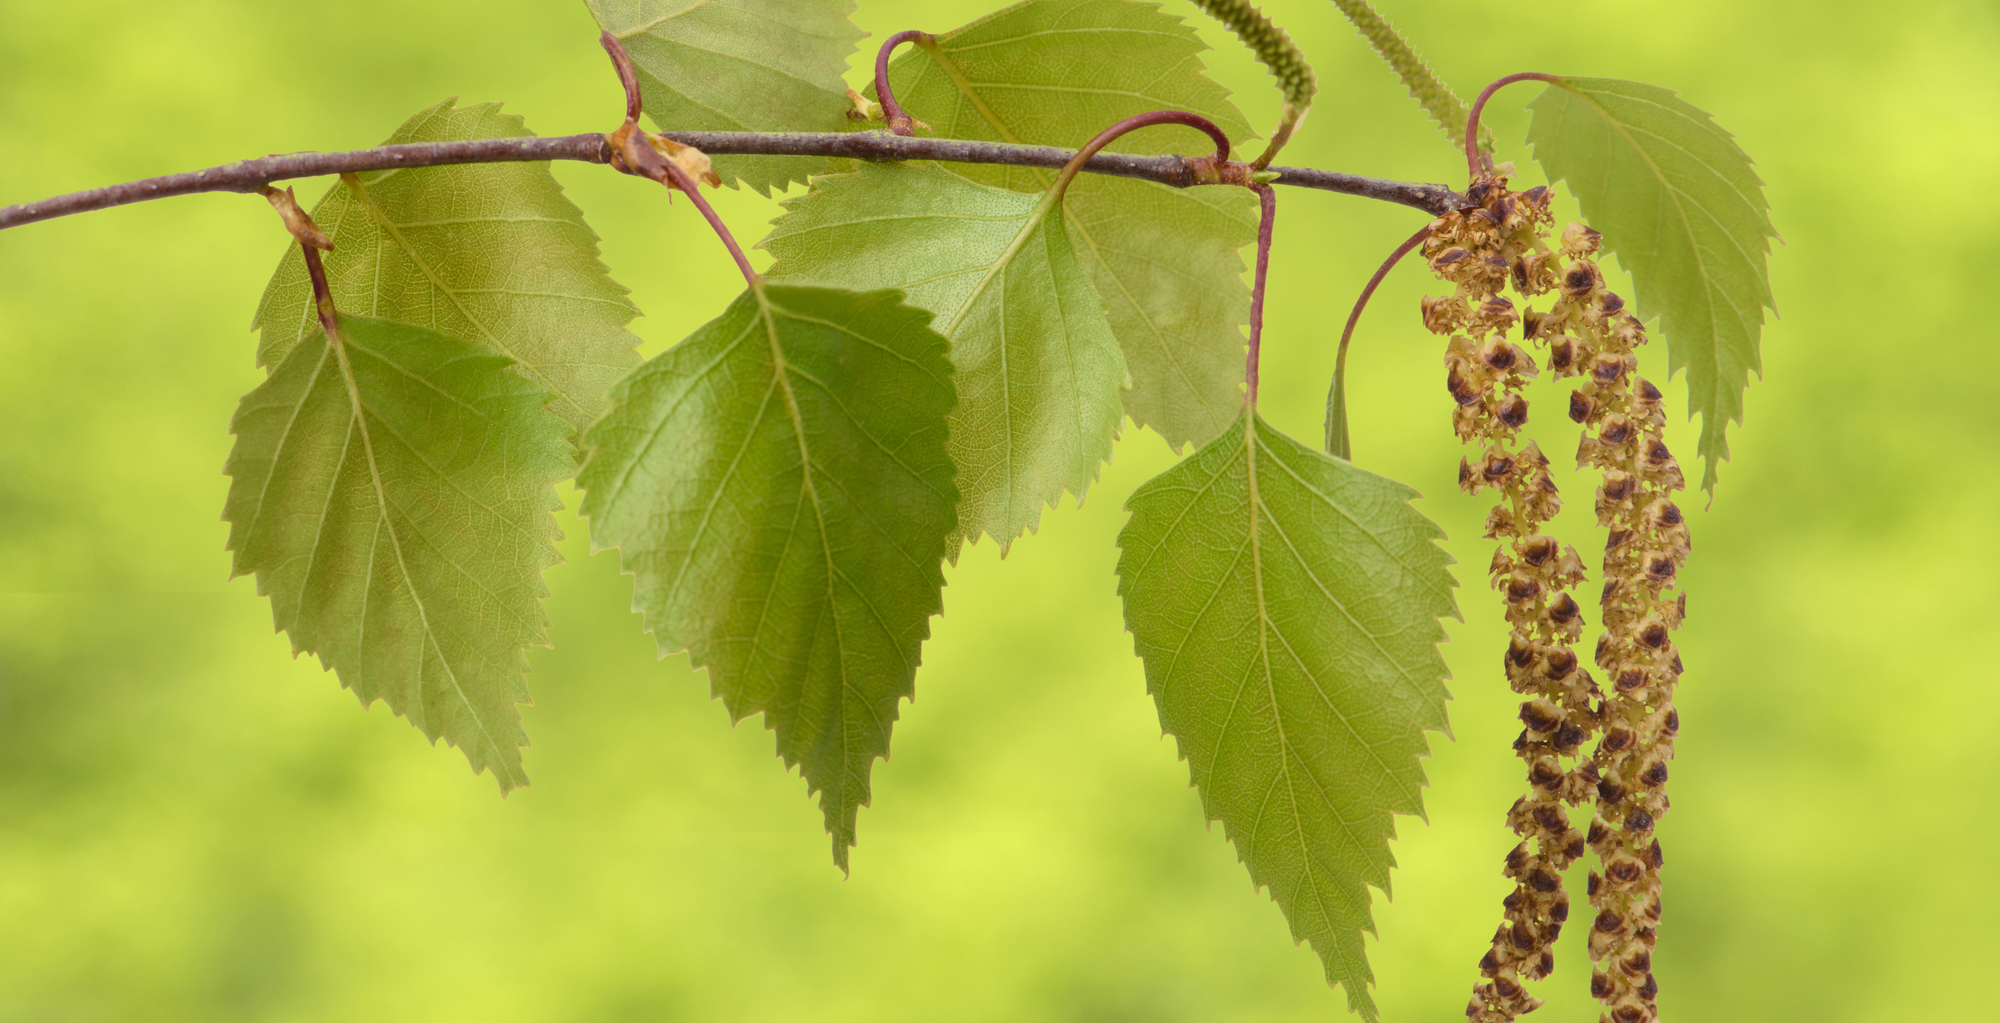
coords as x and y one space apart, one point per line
1591 335
1495 240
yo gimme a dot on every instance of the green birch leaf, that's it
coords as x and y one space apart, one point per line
394 494
1057 72
740 65
1678 202
778 486
1037 369
1286 605
489 253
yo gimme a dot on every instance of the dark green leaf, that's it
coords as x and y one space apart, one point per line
740 65
1037 370
1286 605
393 494
1057 72
778 486
487 253
1678 202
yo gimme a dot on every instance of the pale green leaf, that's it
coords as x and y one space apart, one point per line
487 253
740 65
1037 369
1165 260
778 486
1678 202
1286 605
393 493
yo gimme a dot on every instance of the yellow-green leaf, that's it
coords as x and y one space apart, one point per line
1165 260
489 253
1286 605
1037 369
393 492
740 65
777 485
1679 203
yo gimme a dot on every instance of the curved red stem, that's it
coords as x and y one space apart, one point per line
628 76
892 112
1476 165
1337 442
1134 123
687 184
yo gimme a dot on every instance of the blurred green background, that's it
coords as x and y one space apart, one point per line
194 826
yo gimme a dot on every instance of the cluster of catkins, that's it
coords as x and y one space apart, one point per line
1500 238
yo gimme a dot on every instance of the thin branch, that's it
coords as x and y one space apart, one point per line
253 175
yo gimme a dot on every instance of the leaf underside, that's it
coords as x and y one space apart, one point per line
1037 369
394 496
1680 204
492 254
740 65
1165 260
1286 605
779 488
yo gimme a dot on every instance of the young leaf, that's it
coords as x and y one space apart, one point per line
393 493
1286 605
1056 72
1037 369
778 486
740 65
488 253
1680 205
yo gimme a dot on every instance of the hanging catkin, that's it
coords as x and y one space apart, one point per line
1480 248
1590 334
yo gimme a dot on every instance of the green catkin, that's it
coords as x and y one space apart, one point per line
1591 335
1480 248
1279 55
1433 95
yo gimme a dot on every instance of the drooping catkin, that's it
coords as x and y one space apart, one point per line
1590 334
1480 248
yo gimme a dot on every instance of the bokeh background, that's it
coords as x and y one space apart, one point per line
195 826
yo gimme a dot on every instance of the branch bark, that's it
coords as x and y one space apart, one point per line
253 175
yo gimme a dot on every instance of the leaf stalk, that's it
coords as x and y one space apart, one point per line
892 112
1267 198
1338 441
1480 164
